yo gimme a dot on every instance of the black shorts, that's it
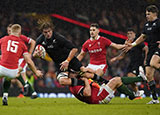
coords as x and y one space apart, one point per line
74 65
150 54
157 52
133 68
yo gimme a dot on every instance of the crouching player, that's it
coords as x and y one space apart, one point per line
92 93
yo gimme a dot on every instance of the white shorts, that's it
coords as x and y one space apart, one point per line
108 97
95 67
21 60
9 73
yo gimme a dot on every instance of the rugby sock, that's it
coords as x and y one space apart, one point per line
99 79
6 85
123 89
75 82
152 86
31 89
129 80
21 80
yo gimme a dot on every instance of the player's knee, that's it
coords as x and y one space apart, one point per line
116 80
63 81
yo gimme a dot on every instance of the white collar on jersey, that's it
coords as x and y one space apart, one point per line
95 39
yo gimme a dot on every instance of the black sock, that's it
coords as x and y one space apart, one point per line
76 82
20 78
99 79
152 86
6 85
123 89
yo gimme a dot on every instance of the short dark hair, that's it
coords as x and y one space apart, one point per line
94 25
46 25
152 8
131 29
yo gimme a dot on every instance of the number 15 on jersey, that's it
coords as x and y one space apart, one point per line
12 46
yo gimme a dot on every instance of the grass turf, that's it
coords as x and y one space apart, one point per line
71 106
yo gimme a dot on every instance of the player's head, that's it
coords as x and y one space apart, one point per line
131 34
47 29
94 30
16 30
151 13
9 29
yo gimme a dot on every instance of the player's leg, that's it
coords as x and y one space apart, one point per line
20 86
64 80
134 87
6 86
93 76
155 61
152 85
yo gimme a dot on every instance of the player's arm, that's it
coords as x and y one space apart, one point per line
145 49
119 57
81 55
87 88
31 65
32 46
117 46
139 40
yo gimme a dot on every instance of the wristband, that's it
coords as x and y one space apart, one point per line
134 44
68 59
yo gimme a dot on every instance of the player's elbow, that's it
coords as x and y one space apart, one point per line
87 93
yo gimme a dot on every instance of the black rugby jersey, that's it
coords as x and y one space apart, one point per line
136 54
152 32
57 47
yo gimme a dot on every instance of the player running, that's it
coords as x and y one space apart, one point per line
151 34
12 48
27 86
137 57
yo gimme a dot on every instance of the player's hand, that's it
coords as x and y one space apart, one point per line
113 59
84 79
127 47
37 53
39 73
64 65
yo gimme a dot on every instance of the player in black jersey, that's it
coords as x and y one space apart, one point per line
137 57
62 52
151 33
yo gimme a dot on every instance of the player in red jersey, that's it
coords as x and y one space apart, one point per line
27 87
12 48
96 46
92 93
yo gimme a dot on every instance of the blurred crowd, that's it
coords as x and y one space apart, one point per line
110 15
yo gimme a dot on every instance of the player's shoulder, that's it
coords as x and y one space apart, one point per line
23 36
57 35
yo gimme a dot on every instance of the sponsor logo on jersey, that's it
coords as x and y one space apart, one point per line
95 50
43 43
150 28
50 46
147 24
154 24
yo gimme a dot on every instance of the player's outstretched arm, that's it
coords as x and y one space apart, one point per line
119 57
32 46
31 65
117 46
81 55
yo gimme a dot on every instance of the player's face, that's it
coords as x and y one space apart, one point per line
9 30
150 16
131 35
94 32
47 33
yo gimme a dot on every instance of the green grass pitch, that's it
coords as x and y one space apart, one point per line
72 106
